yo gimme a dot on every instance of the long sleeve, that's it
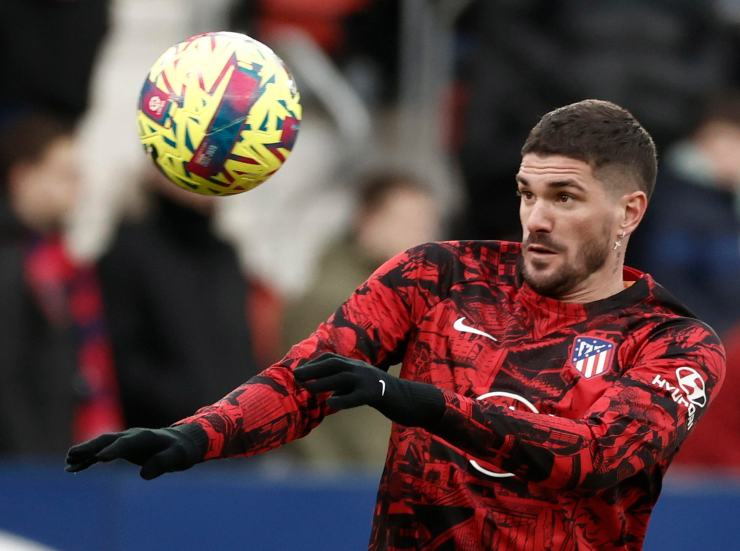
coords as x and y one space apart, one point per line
270 409
637 423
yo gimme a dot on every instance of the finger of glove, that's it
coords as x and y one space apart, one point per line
347 401
136 448
318 368
73 467
86 451
171 459
341 383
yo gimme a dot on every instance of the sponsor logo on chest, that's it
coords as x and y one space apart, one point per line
591 356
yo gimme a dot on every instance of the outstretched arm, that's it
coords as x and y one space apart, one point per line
271 408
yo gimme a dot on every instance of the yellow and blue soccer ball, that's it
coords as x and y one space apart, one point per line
219 113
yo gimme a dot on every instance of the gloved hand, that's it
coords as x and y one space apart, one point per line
157 451
355 383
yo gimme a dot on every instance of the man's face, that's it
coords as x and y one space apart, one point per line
568 225
721 140
405 218
44 192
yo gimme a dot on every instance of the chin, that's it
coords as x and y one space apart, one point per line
542 269
541 286
548 282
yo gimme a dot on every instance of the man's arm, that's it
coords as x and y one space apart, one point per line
271 409
641 420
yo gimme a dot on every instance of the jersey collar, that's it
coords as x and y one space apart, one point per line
554 313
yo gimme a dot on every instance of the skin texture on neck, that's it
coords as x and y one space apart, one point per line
571 221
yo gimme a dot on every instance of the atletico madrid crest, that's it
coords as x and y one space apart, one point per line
591 356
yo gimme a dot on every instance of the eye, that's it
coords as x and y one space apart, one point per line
526 195
564 197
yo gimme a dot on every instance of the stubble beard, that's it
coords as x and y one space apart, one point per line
591 257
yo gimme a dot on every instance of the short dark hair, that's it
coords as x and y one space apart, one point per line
600 133
26 137
375 188
722 106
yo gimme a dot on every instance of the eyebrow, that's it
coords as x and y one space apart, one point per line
557 184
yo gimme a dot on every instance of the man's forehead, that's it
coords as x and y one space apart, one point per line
553 167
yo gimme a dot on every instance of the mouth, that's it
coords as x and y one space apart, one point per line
540 250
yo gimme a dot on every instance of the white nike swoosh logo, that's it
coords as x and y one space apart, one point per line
460 326
382 382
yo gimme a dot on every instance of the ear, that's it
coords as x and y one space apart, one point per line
632 207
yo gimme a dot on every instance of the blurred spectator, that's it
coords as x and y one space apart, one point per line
281 228
394 212
47 52
656 58
57 380
690 239
176 299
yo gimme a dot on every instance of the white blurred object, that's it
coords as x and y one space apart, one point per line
112 157
426 73
315 70
729 10
280 227
11 542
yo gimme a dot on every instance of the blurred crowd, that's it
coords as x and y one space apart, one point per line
127 302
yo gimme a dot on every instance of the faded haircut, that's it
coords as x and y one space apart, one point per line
602 134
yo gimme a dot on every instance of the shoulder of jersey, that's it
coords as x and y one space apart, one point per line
491 261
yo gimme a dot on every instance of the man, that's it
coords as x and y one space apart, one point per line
544 387
177 303
57 379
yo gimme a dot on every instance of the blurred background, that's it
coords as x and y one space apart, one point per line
127 303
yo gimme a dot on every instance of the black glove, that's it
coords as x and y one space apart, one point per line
157 451
355 383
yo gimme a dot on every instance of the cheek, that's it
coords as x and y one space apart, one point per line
582 233
522 214
36 190
523 221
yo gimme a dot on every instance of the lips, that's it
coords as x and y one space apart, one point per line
539 249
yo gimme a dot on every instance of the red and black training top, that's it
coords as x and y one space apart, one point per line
561 418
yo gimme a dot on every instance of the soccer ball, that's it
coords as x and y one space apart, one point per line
219 113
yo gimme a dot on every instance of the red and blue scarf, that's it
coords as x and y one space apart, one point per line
69 294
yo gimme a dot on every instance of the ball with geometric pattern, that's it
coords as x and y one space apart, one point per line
219 113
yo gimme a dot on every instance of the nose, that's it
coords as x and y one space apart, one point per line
537 217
